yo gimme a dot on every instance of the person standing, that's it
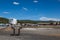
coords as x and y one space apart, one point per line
13 23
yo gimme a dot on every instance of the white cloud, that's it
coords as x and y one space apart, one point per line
35 1
16 3
25 9
1 16
6 12
47 19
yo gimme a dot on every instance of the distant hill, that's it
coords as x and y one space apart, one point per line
6 20
3 20
33 21
27 21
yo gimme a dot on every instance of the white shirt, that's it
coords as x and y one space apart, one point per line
13 21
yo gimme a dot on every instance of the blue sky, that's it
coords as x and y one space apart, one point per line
30 9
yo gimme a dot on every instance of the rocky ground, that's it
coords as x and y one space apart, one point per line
31 34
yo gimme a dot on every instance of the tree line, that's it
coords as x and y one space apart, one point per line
6 20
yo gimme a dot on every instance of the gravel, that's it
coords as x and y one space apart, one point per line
38 34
